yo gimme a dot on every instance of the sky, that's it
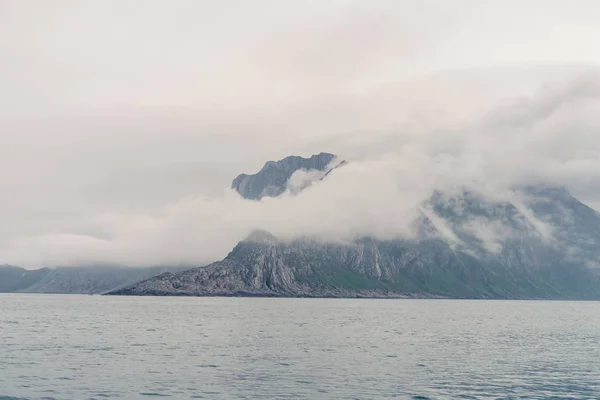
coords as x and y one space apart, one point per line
122 123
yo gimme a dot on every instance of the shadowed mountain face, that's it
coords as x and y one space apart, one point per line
272 179
76 280
14 279
544 243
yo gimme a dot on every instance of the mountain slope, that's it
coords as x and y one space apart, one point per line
367 268
14 279
543 243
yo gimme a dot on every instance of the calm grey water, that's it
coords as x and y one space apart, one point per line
82 347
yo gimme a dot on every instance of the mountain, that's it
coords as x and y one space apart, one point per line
14 279
262 265
540 243
272 179
92 279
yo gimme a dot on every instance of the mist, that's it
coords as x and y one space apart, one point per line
121 128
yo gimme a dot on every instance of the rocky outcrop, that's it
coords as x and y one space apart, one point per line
272 179
269 269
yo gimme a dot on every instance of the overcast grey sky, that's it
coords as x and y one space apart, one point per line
123 122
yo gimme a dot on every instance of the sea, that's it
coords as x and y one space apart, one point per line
100 347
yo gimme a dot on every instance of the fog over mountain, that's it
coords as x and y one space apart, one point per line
536 242
122 126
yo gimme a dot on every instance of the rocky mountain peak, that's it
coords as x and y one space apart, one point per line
260 236
272 179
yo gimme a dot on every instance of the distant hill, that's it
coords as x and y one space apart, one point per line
453 255
14 279
92 279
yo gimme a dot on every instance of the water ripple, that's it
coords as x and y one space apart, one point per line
71 347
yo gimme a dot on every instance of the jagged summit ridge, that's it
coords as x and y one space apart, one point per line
272 179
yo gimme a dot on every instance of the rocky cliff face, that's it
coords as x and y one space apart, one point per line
370 268
544 244
272 179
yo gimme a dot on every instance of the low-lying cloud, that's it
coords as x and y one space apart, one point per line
548 138
122 127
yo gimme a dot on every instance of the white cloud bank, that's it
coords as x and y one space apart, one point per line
549 138
121 127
